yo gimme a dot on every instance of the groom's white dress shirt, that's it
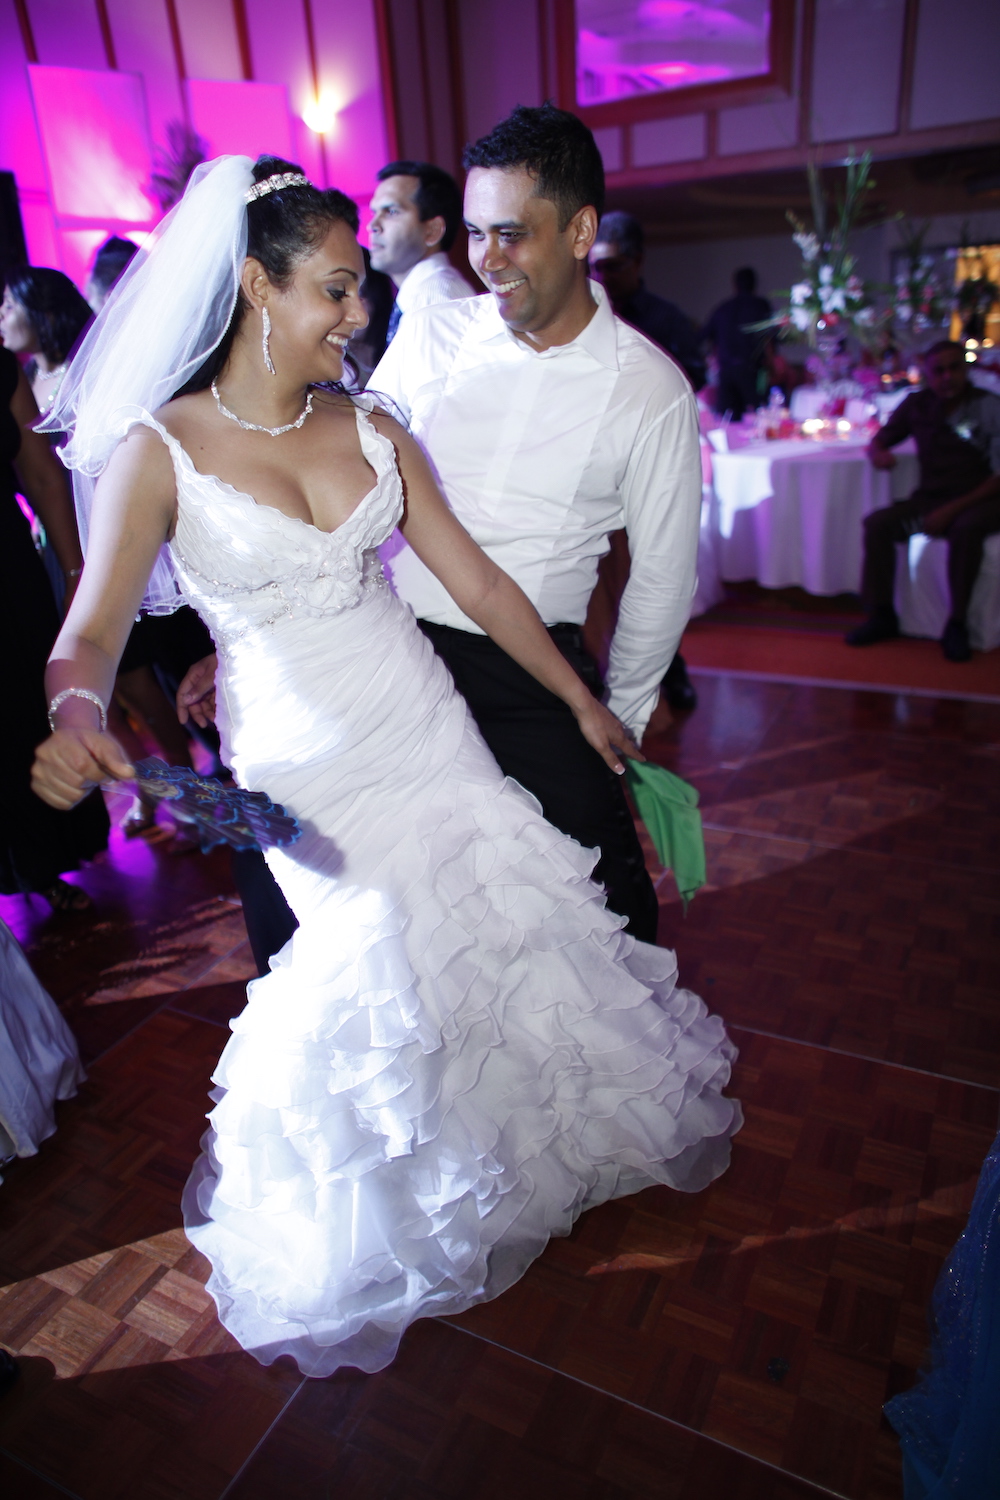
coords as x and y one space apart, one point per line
431 281
541 456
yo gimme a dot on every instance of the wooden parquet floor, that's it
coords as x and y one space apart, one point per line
737 1343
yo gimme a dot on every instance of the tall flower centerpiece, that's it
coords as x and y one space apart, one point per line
830 300
918 300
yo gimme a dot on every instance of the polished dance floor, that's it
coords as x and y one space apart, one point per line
734 1344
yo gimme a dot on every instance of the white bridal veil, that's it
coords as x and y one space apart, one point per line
161 322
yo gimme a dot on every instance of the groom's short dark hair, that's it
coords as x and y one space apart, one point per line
555 147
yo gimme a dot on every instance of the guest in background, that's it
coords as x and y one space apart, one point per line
956 428
37 844
109 263
616 262
741 354
368 346
43 315
416 216
39 1060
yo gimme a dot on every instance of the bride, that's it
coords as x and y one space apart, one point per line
459 1050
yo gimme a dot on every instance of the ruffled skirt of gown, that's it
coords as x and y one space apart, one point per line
39 1061
458 1051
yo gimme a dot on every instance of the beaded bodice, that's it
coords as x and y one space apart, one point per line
244 567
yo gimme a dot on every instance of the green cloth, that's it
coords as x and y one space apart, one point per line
669 808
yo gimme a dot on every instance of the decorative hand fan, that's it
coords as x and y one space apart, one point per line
216 814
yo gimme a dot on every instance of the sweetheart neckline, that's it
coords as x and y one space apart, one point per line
231 490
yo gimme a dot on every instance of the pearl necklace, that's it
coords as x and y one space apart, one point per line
57 376
255 426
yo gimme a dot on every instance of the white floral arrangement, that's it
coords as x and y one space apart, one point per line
918 301
830 300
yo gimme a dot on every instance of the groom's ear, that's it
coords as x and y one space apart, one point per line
255 283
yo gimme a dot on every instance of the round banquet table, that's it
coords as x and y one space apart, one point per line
790 512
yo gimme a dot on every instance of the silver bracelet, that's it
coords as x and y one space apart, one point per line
60 698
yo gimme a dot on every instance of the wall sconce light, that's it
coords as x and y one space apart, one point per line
320 114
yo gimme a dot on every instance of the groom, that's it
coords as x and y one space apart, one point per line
551 423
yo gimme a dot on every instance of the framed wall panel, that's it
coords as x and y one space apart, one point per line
95 137
773 81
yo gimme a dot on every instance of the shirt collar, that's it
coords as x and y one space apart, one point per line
599 339
418 274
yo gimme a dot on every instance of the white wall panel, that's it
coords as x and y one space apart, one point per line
956 75
610 145
67 33
347 54
857 64
208 36
657 142
141 35
279 52
500 60
758 127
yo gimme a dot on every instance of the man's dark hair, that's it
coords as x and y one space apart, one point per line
624 231
940 347
436 197
111 260
555 147
745 279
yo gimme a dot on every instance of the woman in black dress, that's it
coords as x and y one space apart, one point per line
37 844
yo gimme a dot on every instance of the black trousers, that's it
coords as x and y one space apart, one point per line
535 739
899 521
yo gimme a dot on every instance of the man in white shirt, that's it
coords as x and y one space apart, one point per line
550 423
416 215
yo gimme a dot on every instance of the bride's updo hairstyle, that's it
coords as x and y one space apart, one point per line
284 228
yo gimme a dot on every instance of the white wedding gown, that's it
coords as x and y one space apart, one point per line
459 1050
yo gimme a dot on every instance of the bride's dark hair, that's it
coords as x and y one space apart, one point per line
283 229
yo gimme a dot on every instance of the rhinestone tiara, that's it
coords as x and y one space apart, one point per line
275 184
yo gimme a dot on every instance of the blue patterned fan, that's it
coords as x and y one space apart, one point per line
216 814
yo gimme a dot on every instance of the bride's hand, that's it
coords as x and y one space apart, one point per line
607 734
71 762
196 694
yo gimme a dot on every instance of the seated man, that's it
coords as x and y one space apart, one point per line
957 431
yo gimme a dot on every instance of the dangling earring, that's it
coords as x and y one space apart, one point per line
264 343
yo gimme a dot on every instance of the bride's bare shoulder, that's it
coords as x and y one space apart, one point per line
385 421
184 414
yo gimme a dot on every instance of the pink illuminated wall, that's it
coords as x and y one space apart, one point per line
246 119
88 88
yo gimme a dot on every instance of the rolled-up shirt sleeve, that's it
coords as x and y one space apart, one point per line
661 501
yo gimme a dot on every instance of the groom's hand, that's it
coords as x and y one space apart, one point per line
607 734
196 694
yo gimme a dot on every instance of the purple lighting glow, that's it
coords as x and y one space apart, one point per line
630 47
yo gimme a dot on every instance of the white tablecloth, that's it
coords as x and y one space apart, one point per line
922 598
790 512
